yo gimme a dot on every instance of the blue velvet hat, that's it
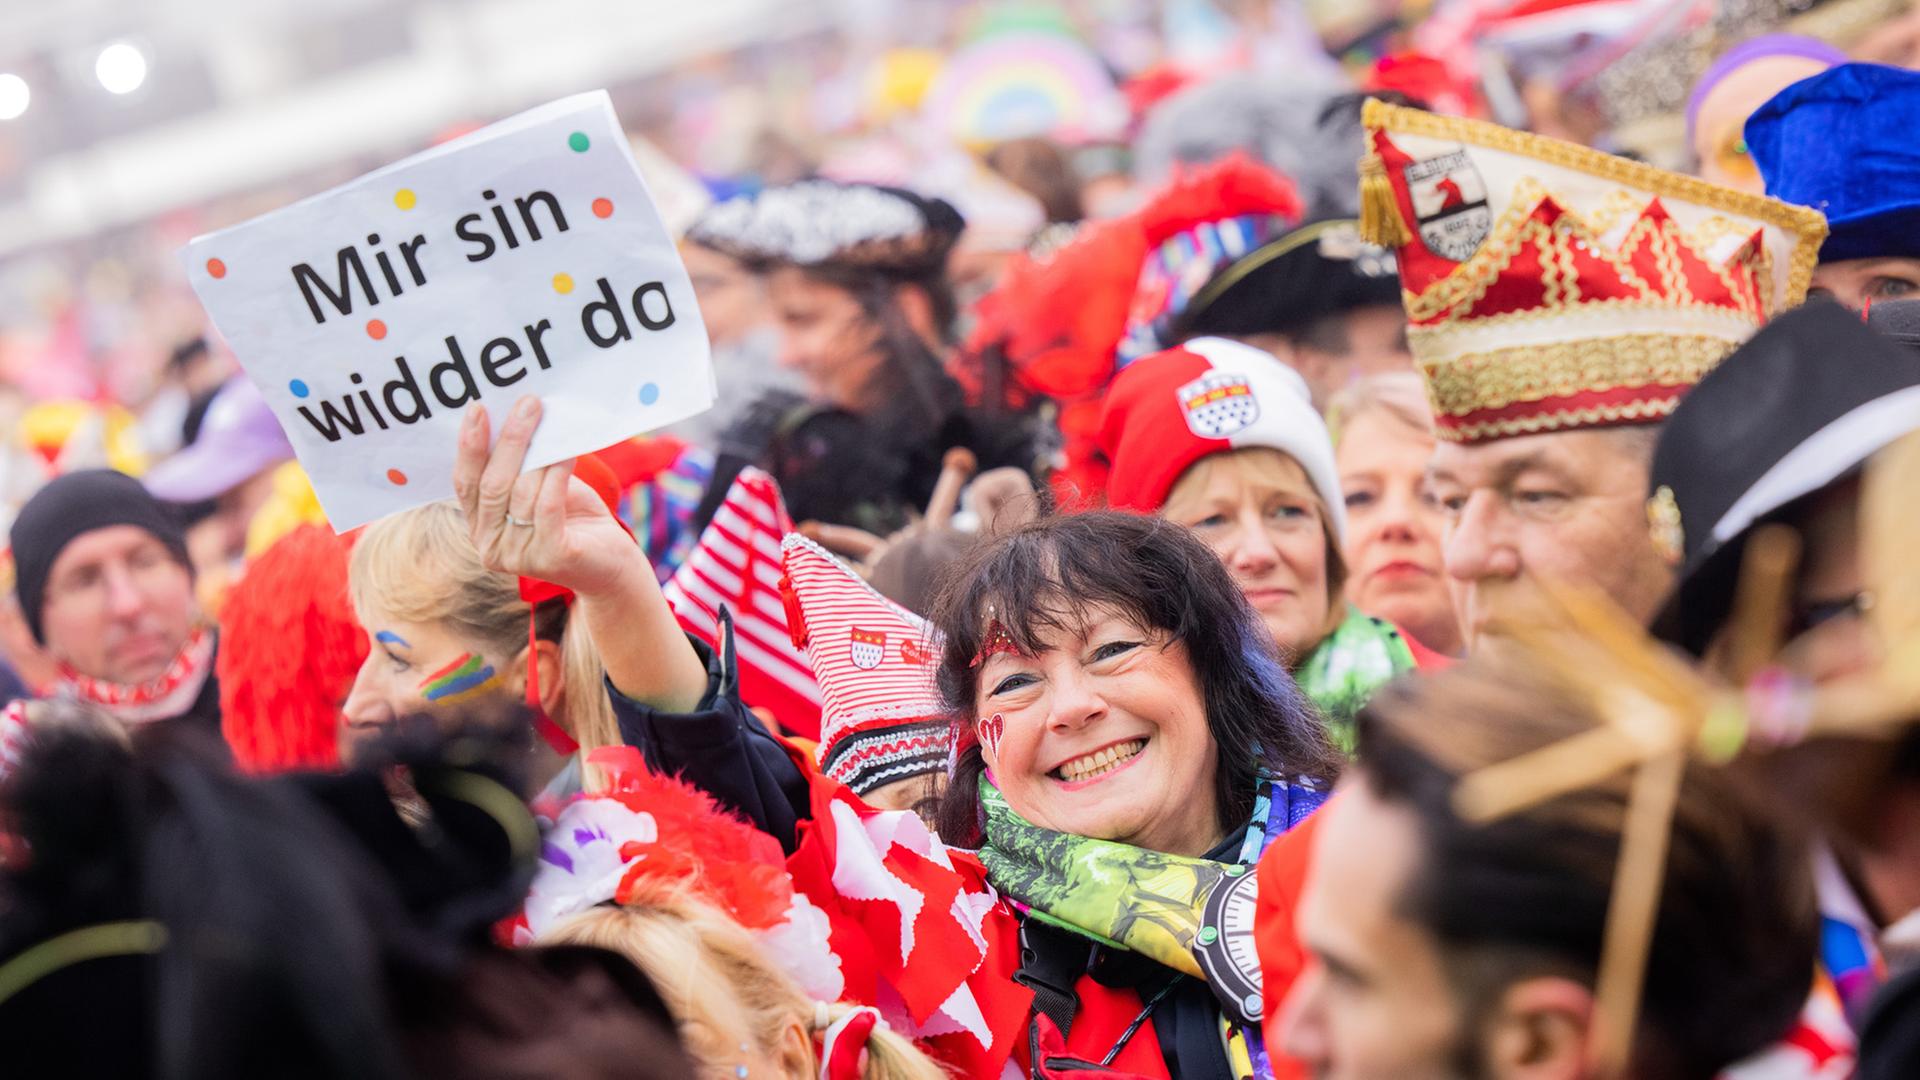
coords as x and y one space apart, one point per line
1847 143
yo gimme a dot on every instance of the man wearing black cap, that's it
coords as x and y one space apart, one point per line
1320 299
1779 433
105 585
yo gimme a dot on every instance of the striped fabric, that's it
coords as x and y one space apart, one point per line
881 718
737 563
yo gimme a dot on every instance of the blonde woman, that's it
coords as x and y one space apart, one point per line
1383 436
741 1017
1223 439
446 631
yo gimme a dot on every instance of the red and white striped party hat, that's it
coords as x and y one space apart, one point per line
736 562
882 718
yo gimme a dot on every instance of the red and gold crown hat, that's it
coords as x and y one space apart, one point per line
1551 287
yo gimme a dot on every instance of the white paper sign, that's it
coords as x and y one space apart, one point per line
523 258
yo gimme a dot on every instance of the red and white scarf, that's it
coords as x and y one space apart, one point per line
169 694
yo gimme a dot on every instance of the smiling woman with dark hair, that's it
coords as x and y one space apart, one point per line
1126 596
1128 742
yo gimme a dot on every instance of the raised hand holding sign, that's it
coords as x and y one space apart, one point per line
525 258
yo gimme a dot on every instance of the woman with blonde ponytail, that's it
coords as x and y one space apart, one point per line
446 631
741 1016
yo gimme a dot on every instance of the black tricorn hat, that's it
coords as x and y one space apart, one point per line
1806 401
1283 286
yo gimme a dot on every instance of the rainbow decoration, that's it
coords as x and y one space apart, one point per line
1019 84
464 679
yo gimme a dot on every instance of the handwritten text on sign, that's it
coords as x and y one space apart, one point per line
524 258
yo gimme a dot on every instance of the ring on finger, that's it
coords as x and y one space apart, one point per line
511 520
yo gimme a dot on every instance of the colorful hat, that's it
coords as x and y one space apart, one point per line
1765 47
238 440
1551 287
1842 142
1207 219
1207 396
1059 323
1806 402
882 719
735 565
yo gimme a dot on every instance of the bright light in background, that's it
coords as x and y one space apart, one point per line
121 68
14 96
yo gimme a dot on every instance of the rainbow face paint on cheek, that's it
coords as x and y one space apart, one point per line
467 677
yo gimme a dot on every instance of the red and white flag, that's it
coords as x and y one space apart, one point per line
736 563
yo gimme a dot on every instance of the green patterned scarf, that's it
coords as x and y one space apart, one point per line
1130 898
1361 655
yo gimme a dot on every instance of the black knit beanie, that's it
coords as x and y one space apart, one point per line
76 503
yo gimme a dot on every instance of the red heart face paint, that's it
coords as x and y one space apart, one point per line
990 731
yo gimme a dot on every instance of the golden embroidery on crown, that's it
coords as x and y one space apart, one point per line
1459 295
1497 378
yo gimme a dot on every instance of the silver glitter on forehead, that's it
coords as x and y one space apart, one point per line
809 222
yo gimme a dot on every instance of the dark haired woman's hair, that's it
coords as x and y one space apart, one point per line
876 467
1727 969
1042 169
201 923
1052 575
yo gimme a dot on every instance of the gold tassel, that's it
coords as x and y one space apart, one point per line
1380 220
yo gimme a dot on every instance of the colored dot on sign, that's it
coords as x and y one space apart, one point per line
649 393
376 329
299 388
563 283
216 268
603 208
578 140
398 478
404 198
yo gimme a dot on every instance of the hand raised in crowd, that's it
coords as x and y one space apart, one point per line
549 524
546 524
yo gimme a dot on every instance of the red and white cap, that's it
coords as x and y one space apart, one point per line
881 716
1166 411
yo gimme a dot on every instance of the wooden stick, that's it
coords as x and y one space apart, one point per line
1760 602
1633 909
1889 521
1495 791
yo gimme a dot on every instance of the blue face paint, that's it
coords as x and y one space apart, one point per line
388 637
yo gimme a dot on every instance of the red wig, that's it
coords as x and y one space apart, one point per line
289 648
